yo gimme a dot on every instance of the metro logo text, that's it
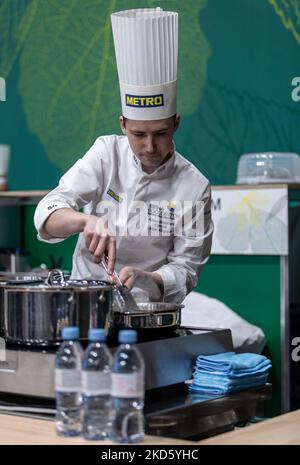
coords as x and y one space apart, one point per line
144 101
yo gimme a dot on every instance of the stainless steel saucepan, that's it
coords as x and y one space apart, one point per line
127 313
150 315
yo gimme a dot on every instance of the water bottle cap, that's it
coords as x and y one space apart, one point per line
71 332
97 334
128 336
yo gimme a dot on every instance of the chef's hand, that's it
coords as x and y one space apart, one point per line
99 241
131 276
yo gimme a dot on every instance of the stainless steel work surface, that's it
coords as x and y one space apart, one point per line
175 412
168 361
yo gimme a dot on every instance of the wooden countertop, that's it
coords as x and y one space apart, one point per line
28 431
281 430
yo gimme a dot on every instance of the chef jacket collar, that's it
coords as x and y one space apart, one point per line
163 171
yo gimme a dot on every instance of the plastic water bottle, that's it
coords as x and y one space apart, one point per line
128 378
96 387
68 384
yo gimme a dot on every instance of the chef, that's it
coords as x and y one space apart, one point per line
136 189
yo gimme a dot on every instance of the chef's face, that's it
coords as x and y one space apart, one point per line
151 141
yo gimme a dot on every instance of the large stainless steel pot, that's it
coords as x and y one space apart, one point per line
151 315
16 280
36 315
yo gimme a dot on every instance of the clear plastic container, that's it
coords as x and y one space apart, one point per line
268 167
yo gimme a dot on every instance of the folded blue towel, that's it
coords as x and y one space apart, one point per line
229 372
225 382
221 390
240 374
229 362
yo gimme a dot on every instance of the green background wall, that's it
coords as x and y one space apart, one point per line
236 62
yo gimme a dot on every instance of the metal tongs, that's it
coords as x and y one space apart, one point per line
123 297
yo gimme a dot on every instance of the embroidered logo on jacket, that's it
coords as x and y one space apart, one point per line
114 196
51 207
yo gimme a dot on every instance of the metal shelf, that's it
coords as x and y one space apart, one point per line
20 198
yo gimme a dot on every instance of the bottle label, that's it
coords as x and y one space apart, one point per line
95 383
67 380
127 385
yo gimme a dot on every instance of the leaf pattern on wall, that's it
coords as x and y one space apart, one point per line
230 123
68 78
16 18
278 206
289 13
233 232
268 235
250 227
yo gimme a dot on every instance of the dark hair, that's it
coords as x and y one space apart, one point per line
126 119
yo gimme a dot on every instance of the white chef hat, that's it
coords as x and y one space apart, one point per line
146 46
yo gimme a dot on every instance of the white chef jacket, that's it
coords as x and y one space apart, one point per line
110 171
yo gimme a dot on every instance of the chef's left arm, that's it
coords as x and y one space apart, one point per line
189 254
174 280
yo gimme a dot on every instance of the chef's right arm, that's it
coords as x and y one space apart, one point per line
57 215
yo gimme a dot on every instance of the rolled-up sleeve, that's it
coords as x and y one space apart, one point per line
188 256
76 188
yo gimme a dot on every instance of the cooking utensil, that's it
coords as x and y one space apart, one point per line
104 264
36 314
123 298
14 280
